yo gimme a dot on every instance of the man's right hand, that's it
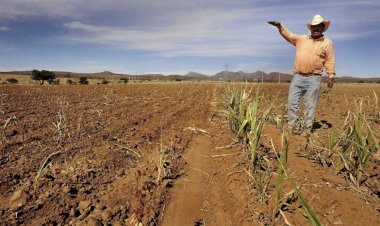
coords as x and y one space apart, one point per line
330 82
274 23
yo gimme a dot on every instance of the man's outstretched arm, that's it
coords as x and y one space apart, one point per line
289 36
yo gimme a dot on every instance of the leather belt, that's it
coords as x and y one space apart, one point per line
308 74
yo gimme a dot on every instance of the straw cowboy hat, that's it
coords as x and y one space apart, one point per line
317 19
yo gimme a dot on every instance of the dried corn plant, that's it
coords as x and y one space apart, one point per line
364 144
280 200
283 160
376 110
235 100
251 129
246 118
164 163
279 120
46 163
349 148
7 123
161 161
62 122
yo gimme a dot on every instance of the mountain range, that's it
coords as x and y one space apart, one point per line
258 76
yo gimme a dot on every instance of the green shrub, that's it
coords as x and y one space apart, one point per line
105 82
43 76
12 80
124 80
83 81
52 81
70 82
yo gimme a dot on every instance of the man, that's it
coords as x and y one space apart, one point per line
313 54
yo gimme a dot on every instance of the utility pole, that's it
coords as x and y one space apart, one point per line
262 77
279 78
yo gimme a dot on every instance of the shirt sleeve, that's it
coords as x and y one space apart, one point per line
330 60
289 36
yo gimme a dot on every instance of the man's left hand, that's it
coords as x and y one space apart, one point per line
330 83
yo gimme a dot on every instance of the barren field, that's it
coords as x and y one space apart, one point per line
164 154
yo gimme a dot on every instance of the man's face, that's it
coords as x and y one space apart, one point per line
316 30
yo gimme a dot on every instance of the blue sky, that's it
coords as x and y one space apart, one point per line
178 36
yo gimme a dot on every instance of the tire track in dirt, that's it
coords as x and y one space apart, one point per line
205 195
188 199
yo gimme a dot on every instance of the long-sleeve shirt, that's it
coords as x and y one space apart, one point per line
312 55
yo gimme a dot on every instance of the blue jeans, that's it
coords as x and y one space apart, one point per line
307 88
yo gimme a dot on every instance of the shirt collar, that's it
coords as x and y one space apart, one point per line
319 39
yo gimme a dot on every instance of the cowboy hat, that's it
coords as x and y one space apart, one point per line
317 19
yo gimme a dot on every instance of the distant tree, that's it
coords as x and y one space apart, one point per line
12 80
83 80
105 82
70 82
42 76
53 81
124 80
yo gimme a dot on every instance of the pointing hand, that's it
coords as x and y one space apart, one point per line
274 23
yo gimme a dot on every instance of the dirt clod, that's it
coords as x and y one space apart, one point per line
83 205
100 206
106 215
333 179
18 198
72 212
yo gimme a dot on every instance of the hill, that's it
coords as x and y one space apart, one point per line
258 76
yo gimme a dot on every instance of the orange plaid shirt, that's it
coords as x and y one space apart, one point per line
312 55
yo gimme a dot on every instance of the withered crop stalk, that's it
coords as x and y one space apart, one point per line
6 124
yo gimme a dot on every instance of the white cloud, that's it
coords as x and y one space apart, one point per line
226 29
201 32
85 9
344 35
25 9
4 28
182 39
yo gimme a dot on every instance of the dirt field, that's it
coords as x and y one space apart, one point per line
157 154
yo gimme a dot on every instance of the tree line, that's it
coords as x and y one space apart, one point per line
50 77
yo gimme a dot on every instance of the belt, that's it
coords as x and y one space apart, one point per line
308 74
